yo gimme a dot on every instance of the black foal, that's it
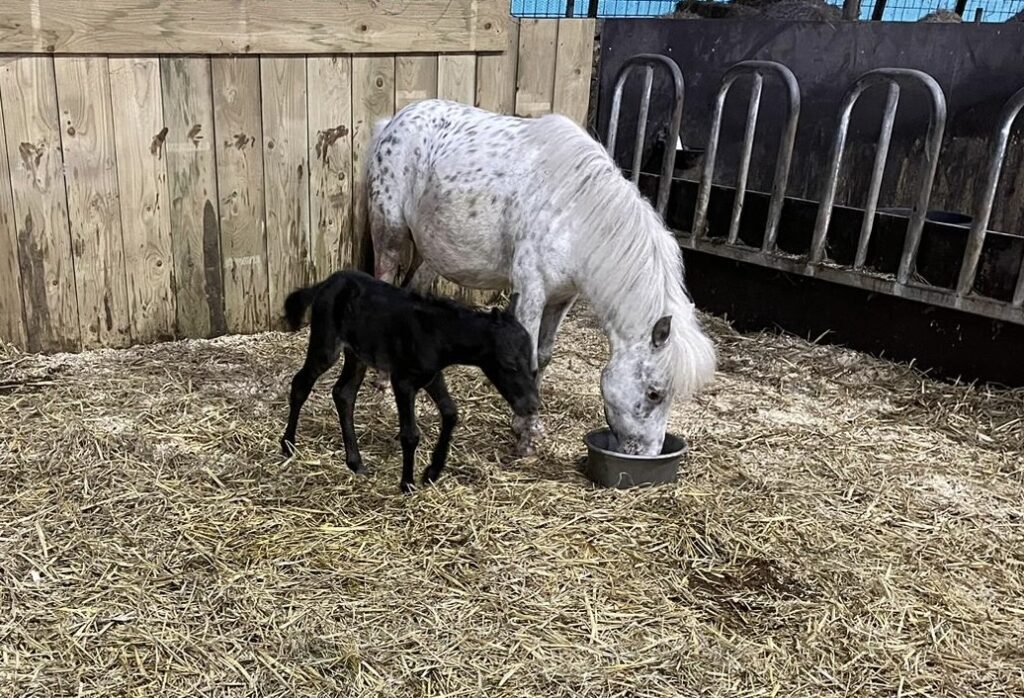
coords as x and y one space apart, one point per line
412 338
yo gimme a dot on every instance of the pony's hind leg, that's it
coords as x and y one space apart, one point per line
344 394
438 392
390 237
323 351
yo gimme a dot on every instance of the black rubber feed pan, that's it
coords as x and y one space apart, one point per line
610 469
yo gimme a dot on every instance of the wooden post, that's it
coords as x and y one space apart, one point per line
570 8
876 14
978 12
592 8
851 10
960 7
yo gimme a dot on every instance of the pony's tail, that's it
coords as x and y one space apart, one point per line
296 303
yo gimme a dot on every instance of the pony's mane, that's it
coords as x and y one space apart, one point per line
632 265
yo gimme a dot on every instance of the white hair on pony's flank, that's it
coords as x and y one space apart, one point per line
631 265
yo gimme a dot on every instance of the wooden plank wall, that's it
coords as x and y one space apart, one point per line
146 197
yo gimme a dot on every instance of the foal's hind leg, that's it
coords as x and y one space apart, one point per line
438 392
344 393
324 349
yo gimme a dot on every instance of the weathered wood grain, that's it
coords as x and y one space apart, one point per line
139 135
239 150
94 207
573 66
330 162
496 75
12 322
186 85
415 79
373 98
252 26
535 76
286 179
40 204
456 77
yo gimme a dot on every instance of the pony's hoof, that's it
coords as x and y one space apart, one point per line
407 487
358 467
430 476
287 448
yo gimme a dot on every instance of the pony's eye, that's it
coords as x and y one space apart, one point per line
654 396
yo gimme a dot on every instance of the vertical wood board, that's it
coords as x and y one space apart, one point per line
239 151
40 205
535 76
12 322
330 162
415 79
573 67
186 85
373 98
139 135
496 75
94 207
286 179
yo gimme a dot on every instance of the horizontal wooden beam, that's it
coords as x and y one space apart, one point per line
252 26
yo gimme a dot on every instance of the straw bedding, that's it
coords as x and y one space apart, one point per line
843 526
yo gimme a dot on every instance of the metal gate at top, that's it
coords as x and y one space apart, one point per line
814 261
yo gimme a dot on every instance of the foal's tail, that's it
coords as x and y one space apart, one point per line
296 303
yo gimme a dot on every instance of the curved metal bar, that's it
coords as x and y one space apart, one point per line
668 160
892 101
782 159
983 210
748 148
933 143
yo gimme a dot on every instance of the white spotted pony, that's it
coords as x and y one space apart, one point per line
492 202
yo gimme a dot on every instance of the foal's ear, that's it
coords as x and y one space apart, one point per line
662 330
512 303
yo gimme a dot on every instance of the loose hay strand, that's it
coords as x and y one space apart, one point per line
842 526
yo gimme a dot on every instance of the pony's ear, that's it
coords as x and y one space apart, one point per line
512 303
662 330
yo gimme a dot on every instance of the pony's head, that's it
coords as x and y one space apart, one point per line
638 388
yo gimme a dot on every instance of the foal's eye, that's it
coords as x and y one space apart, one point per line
654 396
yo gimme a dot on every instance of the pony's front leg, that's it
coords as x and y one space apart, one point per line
529 311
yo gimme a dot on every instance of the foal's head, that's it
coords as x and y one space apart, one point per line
509 367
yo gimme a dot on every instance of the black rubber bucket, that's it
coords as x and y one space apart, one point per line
610 469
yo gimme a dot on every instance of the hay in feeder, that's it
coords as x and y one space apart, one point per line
843 526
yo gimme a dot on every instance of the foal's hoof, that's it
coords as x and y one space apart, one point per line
407 487
358 467
525 448
430 476
287 448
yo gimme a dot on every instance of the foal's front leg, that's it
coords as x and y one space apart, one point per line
408 432
438 392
